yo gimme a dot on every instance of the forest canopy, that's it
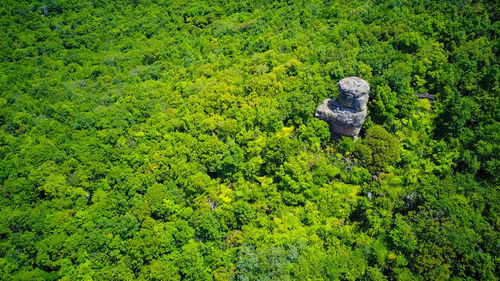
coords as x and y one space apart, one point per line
175 140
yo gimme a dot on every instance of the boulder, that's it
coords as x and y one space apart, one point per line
353 92
357 104
354 87
346 116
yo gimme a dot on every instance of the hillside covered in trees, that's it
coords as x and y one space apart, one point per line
176 140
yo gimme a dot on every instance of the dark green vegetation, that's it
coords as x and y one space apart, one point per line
168 141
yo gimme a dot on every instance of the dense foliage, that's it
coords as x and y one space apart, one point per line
176 141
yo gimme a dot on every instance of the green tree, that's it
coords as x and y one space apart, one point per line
378 150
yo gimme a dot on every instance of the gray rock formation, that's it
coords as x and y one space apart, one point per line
428 96
354 93
346 115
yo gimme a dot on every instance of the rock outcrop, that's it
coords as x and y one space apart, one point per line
346 115
427 96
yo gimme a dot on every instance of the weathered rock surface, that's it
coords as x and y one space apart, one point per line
346 116
358 104
354 93
427 96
